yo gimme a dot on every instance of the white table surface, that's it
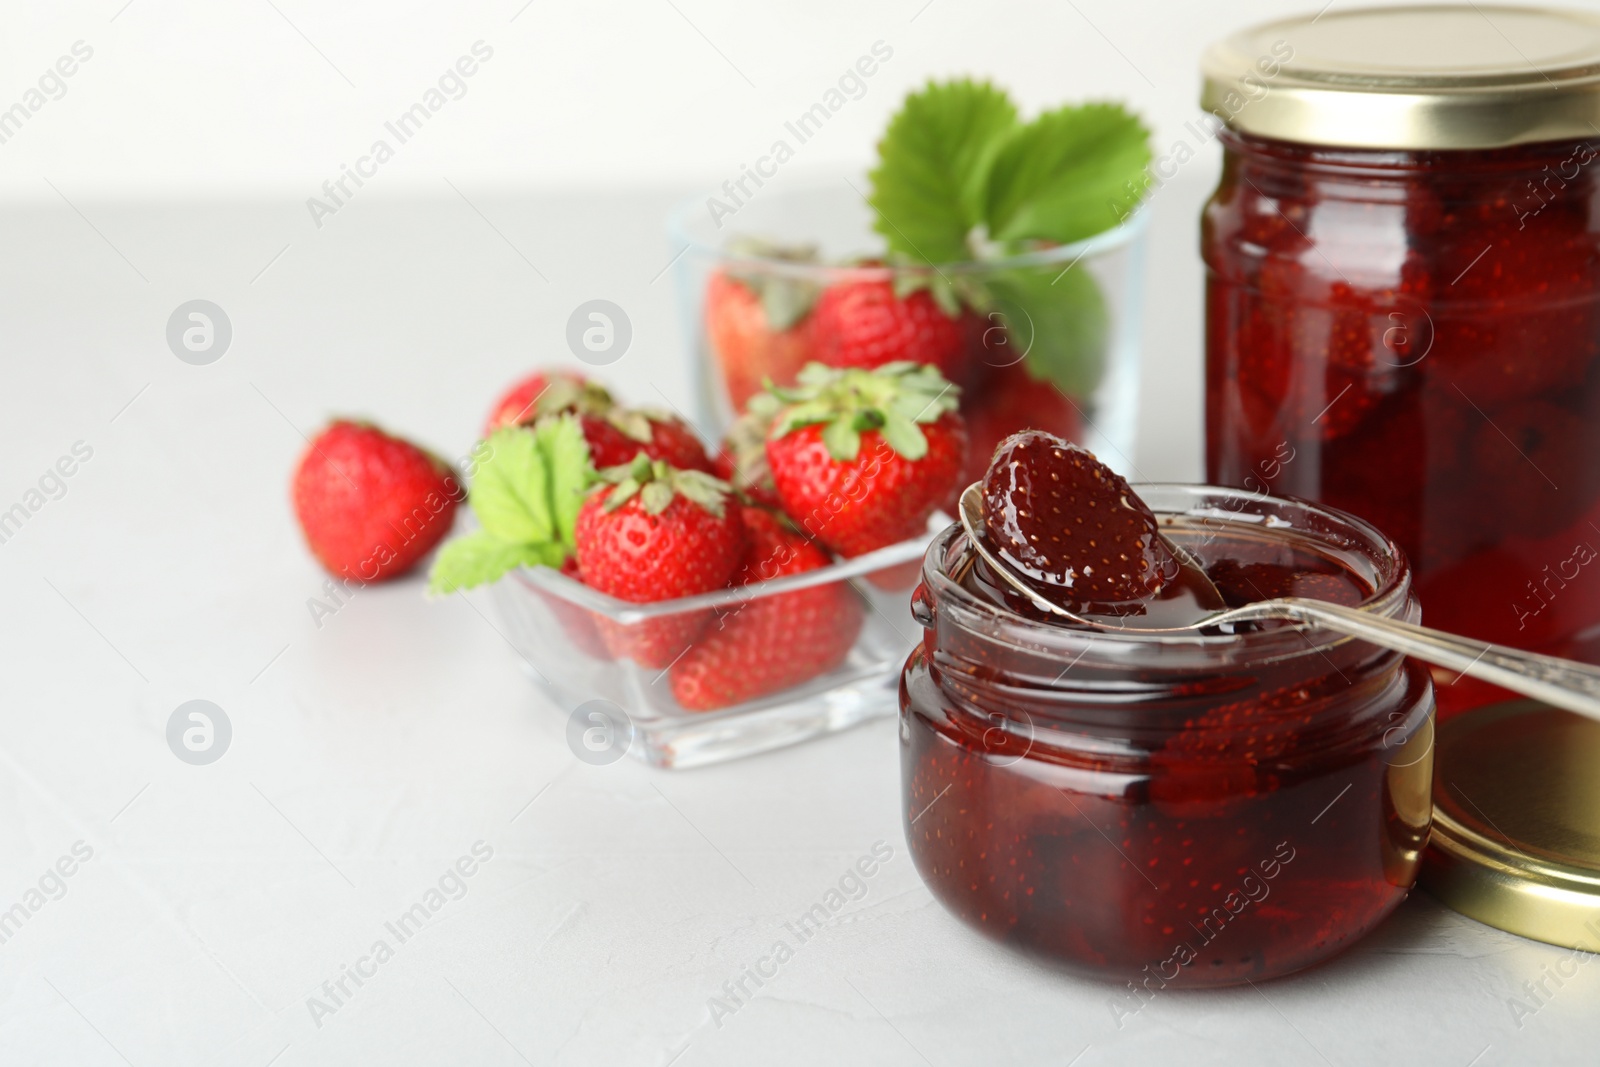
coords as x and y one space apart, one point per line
372 752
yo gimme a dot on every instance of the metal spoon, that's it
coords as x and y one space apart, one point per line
1560 682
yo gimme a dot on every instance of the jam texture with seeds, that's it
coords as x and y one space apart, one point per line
1414 337
1165 826
1072 526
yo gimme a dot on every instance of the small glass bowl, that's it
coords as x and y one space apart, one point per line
1170 809
1073 308
566 632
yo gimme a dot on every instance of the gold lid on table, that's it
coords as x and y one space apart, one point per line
1446 77
1516 822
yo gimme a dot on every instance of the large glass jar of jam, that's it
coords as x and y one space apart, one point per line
1171 809
1403 299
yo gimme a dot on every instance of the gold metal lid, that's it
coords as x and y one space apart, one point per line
1446 77
1516 822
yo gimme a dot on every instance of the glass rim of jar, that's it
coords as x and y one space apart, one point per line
1376 558
682 237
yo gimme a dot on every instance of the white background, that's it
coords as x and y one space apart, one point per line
372 751
241 95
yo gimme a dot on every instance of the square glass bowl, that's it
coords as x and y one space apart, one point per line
1049 338
567 635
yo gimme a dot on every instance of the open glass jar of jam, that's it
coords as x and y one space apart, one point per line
1403 299
1166 809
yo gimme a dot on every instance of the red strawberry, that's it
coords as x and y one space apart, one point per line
541 393
657 533
864 324
861 458
621 433
1072 526
371 505
615 434
749 344
742 460
770 643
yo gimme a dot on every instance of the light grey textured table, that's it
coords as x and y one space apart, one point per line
374 751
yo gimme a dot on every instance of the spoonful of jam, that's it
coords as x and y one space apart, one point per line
1080 539
1069 534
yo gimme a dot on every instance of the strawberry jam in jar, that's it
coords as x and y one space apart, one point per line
1403 299
1171 809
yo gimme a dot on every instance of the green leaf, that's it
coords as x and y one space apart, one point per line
566 456
529 486
511 493
904 436
656 497
702 489
1069 174
1060 320
480 557
932 164
841 439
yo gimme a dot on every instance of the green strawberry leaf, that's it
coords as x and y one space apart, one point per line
904 436
1069 174
656 497
511 493
526 494
1059 320
480 557
703 490
895 398
842 439
566 456
928 187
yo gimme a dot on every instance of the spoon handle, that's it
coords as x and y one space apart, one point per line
1561 682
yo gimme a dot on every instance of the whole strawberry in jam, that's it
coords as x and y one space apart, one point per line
861 458
1072 526
770 643
371 505
653 533
864 323
615 433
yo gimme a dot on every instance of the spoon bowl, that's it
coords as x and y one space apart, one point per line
1191 575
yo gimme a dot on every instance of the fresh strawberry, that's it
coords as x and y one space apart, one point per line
756 328
545 392
657 533
1072 526
619 434
742 459
371 505
862 323
862 458
615 433
770 643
